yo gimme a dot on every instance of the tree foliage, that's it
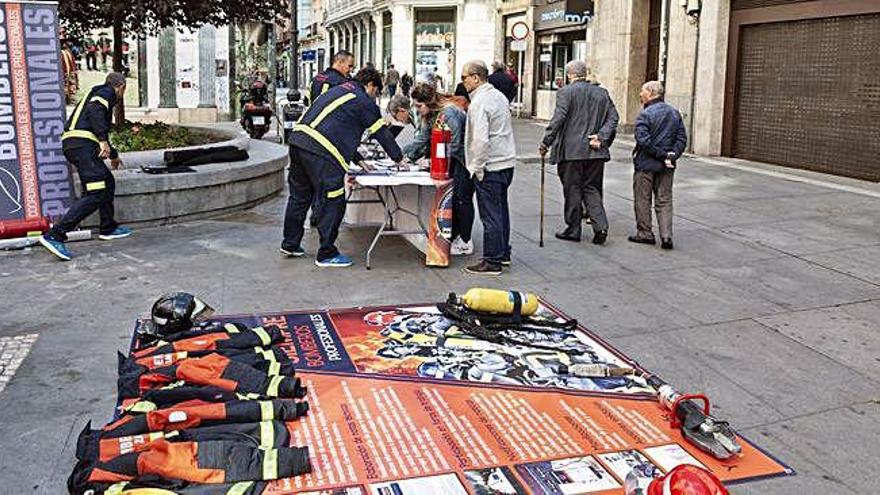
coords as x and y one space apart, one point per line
149 16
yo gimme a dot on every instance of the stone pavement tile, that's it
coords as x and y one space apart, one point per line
808 236
717 214
685 368
611 307
847 334
842 442
832 205
701 295
793 283
787 377
863 262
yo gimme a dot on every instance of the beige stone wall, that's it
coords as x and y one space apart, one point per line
705 126
617 41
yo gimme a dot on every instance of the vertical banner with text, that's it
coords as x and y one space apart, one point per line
35 180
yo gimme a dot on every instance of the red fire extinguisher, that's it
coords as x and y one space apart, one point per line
22 228
440 138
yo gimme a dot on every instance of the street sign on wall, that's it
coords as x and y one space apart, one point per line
518 45
34 176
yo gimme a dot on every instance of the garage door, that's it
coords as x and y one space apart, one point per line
808 95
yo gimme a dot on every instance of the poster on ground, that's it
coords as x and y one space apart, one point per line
403 402
35 180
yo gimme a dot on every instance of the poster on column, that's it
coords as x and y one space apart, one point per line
35 179
403 402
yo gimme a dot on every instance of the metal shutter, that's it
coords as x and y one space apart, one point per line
808 95
755 4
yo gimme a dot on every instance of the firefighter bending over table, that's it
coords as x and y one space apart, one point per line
86 144
322 145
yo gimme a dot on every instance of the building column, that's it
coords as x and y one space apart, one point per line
168 68
367 45
379 48
142 71
358 37
207 56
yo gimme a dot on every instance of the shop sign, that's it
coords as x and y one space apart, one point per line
308 56
553 14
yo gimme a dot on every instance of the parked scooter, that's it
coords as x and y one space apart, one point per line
291 111
256 112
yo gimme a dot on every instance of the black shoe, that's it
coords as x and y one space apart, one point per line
600 237
484 268
567 237
666 243
642 240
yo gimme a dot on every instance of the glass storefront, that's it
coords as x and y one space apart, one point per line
435 47
554 51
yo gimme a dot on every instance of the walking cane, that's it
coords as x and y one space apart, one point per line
541 241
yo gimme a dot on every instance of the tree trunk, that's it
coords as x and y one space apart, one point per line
118 18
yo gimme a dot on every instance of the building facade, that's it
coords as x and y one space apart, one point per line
424 38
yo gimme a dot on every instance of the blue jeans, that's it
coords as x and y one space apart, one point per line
495 214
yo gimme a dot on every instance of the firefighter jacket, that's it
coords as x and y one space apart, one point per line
211 370
247 339
272 361
180 394
324 81
199 462
335 124
207 414
159 486
91 120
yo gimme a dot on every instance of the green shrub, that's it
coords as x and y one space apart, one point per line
142 137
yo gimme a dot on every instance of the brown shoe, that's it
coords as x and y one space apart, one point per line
484 268
642 240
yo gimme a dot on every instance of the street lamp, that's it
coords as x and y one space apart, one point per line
293 91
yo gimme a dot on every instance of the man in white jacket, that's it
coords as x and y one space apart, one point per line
490 152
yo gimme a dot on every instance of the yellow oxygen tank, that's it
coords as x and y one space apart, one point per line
499 301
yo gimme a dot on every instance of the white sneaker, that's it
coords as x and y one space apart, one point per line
461 248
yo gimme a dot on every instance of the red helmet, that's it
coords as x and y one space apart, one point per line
687 480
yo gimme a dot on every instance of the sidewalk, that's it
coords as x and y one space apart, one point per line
769 304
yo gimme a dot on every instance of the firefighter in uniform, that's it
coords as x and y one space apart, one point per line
321 146
336 74
86 145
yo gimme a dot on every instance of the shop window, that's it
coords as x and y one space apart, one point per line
435 47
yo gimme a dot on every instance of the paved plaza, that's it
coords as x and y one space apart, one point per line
770 304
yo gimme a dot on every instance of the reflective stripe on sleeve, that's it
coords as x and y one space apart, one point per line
267 412
270 464
376 126
79 133
324 88
96 186
264 335
102 101
274 383
267 435
240 488
336 193
230 328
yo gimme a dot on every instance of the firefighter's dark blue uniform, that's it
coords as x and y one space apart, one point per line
321 146
325 80
89 125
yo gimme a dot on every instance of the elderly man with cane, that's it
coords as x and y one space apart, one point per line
581 132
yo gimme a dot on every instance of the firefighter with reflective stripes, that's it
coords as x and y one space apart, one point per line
321 146
86 145
336 74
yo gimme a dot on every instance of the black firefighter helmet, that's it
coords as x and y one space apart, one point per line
178 312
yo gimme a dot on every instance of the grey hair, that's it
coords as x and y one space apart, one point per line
478 68
115 79
397 103
496 66
655 88
576 68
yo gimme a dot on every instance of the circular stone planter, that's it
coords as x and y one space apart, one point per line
213 189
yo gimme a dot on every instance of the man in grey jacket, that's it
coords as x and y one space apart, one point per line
490 152
581 132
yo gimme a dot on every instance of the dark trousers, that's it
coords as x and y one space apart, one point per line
91 61
392 90
98 188
495 214
462 202
659 186
581 185
312 175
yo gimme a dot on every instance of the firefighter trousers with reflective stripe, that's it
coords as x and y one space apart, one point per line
319 177
202 415
98 188
204 462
